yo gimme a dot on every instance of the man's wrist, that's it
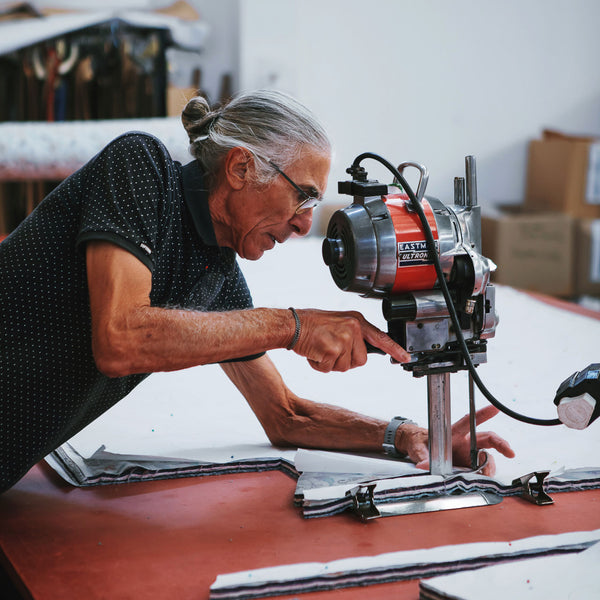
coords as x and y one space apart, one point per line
390 434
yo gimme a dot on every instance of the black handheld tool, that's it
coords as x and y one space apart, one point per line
578 398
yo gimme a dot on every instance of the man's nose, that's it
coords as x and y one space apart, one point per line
302 222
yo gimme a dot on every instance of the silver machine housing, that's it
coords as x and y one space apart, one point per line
363 256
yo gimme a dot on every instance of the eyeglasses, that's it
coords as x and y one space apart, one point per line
309 201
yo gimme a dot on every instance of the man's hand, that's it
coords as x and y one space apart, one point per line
414 441
461 448
335 341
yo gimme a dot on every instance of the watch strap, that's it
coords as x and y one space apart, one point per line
389 437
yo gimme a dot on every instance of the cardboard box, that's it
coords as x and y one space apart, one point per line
533 251
177 98
587 257
563 174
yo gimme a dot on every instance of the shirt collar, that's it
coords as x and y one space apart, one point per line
196 199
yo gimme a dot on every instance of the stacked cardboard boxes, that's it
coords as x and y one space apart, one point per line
533 251
552 243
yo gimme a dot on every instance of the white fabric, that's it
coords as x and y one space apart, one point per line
570 576
14 35
319 461
39 150
536 347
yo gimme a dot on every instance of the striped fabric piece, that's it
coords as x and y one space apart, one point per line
104 468
390 567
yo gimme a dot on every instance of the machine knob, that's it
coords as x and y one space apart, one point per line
577 412
333 251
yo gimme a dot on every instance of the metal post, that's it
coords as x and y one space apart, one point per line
459 191
471 177
440 426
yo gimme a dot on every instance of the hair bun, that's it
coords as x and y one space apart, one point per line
193 114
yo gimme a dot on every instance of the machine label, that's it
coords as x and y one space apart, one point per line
413 253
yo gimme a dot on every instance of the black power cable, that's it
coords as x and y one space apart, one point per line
444 287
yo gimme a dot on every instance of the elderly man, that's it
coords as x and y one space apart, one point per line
128 268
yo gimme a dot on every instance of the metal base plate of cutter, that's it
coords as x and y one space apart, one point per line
365 507
423 505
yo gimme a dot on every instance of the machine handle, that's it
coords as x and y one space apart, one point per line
373 349
423 178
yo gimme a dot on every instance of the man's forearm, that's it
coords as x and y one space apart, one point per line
151 339
318 425
131 336
292 421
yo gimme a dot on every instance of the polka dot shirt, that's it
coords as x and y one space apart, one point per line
131 194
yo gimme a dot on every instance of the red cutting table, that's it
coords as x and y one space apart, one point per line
170 539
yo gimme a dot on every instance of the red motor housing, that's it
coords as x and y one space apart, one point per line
415 270
376 246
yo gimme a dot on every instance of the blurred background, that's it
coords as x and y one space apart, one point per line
513 83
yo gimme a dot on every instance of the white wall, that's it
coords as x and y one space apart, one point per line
428 80
222 51
434 80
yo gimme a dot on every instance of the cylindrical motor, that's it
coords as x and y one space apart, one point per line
377 247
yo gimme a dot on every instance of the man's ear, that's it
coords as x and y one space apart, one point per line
237 166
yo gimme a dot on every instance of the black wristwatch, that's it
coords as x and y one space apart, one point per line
390 436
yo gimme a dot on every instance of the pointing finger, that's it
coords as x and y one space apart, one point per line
384 342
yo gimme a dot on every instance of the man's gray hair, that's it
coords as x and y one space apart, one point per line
269 124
